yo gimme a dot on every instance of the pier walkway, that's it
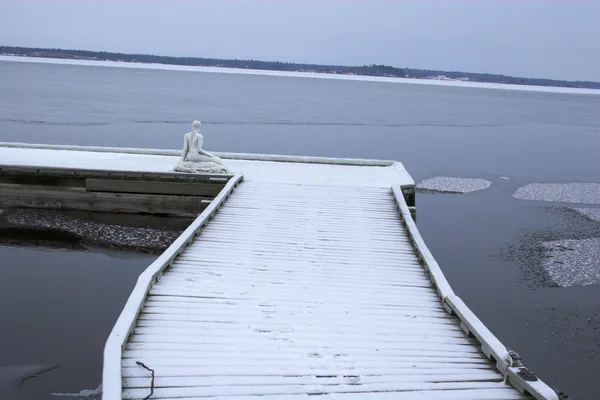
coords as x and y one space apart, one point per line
304 278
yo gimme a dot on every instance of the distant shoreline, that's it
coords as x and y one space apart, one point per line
363 70
294 74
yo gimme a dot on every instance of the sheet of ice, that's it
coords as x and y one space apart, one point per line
480 85
591 213
584 193
447 184
86 394
571 262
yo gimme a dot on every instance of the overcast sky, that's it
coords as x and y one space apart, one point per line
533 38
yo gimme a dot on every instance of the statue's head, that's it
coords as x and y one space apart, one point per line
196 126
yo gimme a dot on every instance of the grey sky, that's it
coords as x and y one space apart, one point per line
534 38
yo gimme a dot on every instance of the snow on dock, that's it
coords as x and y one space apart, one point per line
302 277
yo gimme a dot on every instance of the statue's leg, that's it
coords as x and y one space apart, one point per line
214 158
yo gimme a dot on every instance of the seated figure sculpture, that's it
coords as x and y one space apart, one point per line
196 160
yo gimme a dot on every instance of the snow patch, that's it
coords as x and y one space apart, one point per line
446 184
571 262
584 193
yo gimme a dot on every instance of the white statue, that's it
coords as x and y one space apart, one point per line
196 160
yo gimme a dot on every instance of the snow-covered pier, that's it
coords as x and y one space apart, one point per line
301 277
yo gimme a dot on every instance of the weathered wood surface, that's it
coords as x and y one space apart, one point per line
77 172
298 290
107 191
30 196
152 187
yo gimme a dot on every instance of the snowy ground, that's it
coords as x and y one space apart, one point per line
480 85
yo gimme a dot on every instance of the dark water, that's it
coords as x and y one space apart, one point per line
486 242
57 307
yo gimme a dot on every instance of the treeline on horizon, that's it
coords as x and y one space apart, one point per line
367 70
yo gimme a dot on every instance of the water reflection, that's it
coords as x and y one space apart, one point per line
46 238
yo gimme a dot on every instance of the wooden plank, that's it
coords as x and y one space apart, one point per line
291 366
263 390
267 279
240 367
318 249
266 239
304 316
424 347
294 259
152 187
243 330
243 296
349 276
303 302
243 293
432 369
41 180
223 309
412 337
73 172
278 319
459 394
183 381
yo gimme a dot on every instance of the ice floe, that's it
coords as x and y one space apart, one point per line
447 184
571 262
584 193
591 213
84 394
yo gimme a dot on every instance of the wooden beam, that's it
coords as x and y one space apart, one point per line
78 199
152 187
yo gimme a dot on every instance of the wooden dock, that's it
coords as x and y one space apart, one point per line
303 277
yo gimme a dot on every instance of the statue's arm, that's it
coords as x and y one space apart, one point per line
185 149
